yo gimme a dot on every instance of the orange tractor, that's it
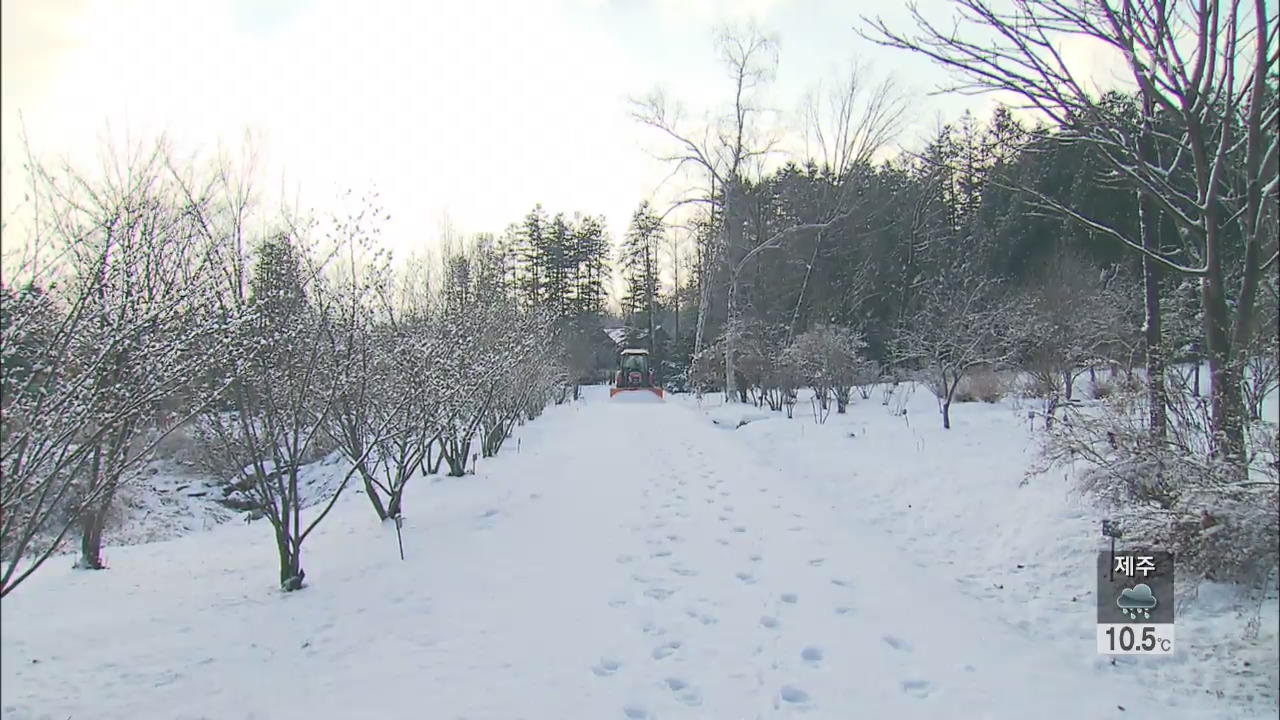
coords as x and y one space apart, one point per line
634 374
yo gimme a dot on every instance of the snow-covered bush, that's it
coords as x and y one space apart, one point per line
866 375
981 385
706 369
1176 492
828 358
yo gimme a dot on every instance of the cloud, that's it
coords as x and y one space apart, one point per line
1137 597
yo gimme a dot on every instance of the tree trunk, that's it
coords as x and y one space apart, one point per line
395 503
1148 229
1224 368
291 573
371 490
94 515
730 331
91 538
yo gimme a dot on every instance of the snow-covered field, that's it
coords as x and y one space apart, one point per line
638 560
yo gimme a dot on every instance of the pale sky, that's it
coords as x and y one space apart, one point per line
476 110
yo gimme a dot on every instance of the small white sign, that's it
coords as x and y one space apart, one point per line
1135 639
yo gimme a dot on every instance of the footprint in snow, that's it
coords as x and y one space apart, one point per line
727 508
489 513
769 621
606 667
790 598
811 655
817 562
840 581
635 712
917 688
755 557
897 643
793 695
675 538
618 602
652 629
683 692
722 541
658 593
683 571
746 578
739 528
844 610
666 649
660 553
722 518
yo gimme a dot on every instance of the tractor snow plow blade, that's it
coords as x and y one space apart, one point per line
637 394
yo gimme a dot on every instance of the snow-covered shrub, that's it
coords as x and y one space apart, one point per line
1039 385
866 374
828 358
706 370
1101 389
1176 493
983 385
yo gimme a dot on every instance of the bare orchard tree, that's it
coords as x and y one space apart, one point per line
295 357
98 340
962 323
471 321
382 421
521 349
1203 69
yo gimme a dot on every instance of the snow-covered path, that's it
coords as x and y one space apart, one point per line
626 561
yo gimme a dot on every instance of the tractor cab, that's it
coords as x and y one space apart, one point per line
634 373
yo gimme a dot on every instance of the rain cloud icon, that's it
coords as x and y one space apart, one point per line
1137 600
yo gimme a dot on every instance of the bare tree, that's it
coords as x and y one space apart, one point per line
1204 66
293 360
963 323
1070 314
725 150
98 341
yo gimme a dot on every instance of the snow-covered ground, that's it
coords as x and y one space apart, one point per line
637 560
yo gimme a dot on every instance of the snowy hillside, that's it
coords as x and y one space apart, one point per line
621 560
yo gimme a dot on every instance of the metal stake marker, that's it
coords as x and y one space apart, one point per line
399 539
1111 529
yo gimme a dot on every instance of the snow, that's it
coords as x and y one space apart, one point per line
635 560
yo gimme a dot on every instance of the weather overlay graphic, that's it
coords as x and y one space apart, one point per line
1135 602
